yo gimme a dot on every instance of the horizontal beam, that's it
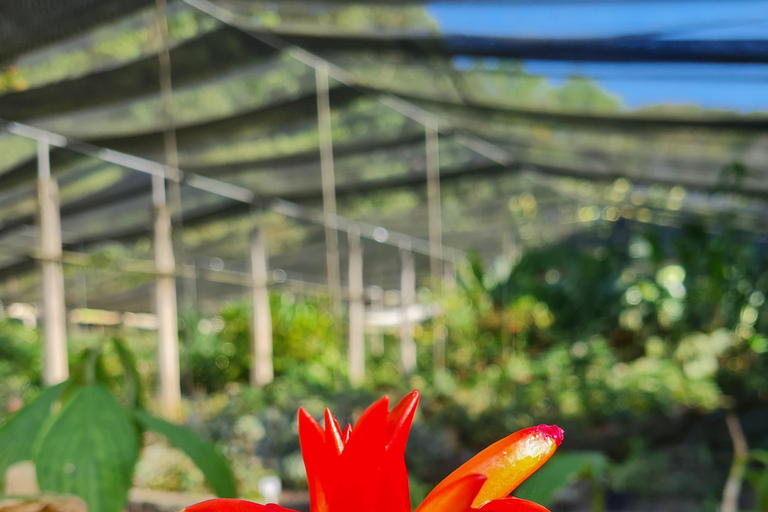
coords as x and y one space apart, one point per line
136 185
272 115
188 271
238 196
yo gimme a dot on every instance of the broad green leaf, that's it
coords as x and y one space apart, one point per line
543 485
213 464
89 449
18 433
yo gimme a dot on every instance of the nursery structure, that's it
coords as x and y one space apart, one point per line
213 149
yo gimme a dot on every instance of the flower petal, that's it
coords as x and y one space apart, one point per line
454 497
332 432
399 421
393 491
508 462
512 505
314 453
356 484
231 505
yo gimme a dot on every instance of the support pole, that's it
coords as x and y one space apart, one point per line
55 365
376 294
262 371
165 304
329 186
433 203
407 297
435 243
356 309
170 147
166 86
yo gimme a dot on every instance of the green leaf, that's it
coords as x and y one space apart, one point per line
543 485
213 464
132 380
759 482
89 449
760 456
18 433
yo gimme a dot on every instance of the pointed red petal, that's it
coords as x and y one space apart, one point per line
347 432
455 497
508 462
230 505
313 450
393 491
512 505
356 488
399 421
338 428
332 433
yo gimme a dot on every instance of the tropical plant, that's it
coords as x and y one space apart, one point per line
84 435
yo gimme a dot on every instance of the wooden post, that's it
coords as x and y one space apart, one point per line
329 186
376 295
165 304
262 371
407 297
55 364
356 309
433 203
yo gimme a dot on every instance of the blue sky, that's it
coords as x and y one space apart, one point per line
729 86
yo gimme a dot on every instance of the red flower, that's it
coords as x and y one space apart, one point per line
362 469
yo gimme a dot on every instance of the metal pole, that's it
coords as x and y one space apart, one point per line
407 297
165 304
436 269
376 295
189 285
166 86
55 365
329 186
262 371
433 202
356 310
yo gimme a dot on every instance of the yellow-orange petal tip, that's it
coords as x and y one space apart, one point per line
553 432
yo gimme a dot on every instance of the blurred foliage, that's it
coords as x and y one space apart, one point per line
561 470
620 344
19 365
632 344
84 434
303 330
